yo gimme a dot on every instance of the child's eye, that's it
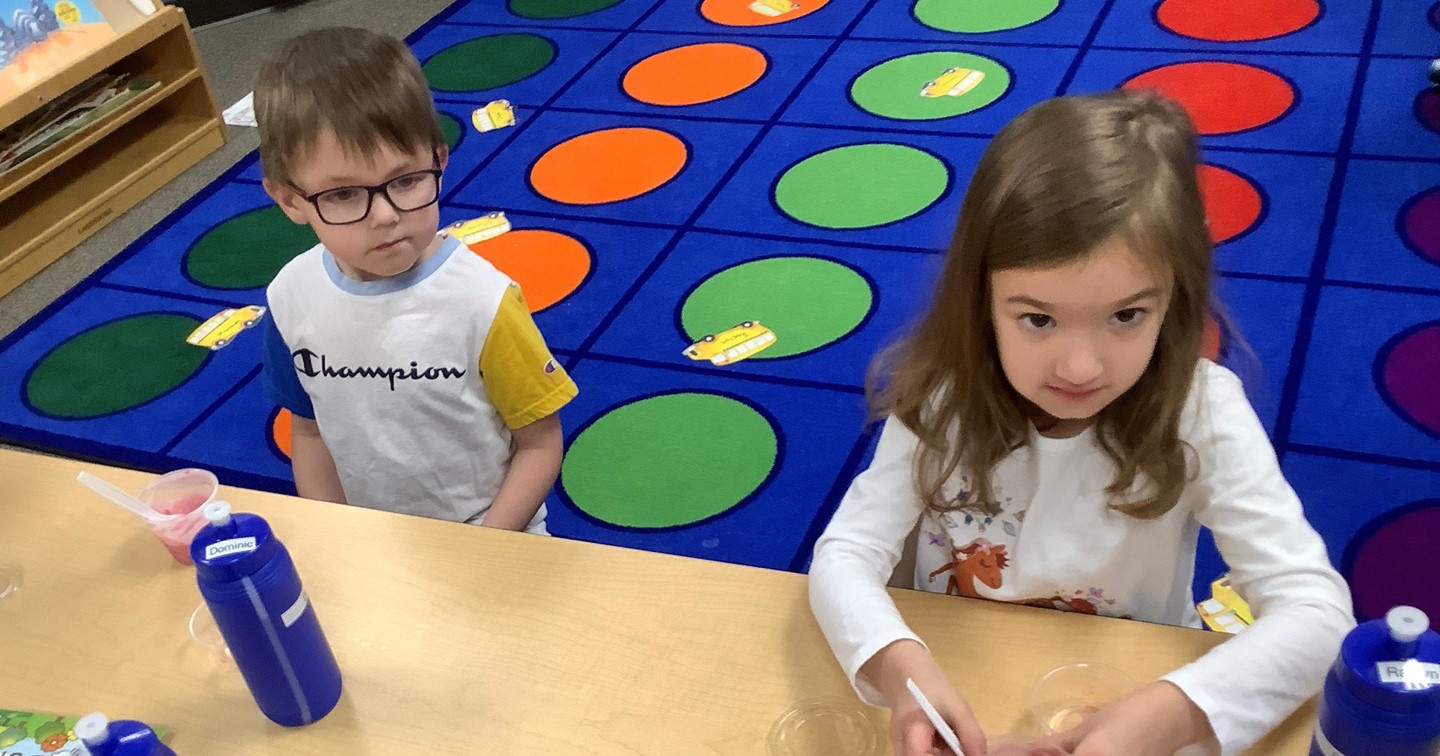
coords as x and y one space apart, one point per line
1129 316
407 182
1034 321
342 195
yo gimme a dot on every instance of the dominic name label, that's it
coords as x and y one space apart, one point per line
232 546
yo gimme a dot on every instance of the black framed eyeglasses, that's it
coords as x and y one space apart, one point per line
345 205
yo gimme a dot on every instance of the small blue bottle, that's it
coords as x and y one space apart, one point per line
124 737
251 586
1382 696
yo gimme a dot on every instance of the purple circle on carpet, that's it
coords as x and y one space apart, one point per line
1408 372
1427 109
1393 561
1419 224
1435 16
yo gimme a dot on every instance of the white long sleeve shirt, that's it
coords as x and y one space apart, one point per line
1055 543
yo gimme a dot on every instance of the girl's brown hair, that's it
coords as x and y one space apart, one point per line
1063 177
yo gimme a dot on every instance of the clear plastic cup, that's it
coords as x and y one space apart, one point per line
185 493
1066 696
206 635
827 727
11 578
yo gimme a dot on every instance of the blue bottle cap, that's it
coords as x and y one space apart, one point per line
232 546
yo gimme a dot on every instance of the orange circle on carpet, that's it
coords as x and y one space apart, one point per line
1221 97
280 431
608 166
1232 203
548 265
694 74
1236 20
743 13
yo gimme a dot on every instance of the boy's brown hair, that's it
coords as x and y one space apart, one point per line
365 88
1063 177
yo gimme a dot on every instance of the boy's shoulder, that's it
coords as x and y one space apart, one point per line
298 274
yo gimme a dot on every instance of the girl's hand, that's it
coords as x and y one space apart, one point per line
911 733
1156 720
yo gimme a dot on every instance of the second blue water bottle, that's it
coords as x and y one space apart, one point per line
255 594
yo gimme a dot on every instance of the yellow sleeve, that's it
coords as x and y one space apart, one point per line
524 381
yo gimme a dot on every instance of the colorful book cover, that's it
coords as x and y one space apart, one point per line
40 37
26 733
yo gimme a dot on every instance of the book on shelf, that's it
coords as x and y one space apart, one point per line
73 112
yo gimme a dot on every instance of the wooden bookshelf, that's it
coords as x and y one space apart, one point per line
54 201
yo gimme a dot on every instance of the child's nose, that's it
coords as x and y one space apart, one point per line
382 211
1080 364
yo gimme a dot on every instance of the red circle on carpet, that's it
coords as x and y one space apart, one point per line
1391 560
1221 97
1236 20
1408 372
1419 224
1232 203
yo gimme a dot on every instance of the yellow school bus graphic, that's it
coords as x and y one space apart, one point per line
774 8
476 230
220 330
495 115
732 345
953 82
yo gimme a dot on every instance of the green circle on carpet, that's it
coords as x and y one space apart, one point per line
451 130
893 89
669 460
979 17
489 62
553 9
862 185
806 301
247 251
117 366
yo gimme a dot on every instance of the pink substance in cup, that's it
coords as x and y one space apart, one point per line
182 493
176 536
186 504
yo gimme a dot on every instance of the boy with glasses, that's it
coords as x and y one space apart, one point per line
417 381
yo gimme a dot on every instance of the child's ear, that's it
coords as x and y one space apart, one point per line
443 155
289 200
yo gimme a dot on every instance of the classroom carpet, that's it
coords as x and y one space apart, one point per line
681 169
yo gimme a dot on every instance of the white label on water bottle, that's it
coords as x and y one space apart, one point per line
232 546
1413 673
289 616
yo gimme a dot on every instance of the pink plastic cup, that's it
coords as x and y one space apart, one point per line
185 493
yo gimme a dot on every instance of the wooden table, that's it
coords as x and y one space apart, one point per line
455 639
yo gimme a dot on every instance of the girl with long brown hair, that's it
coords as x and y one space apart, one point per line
1056 435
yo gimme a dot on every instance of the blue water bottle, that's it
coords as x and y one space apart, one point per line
251 586
124 737
1382 696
